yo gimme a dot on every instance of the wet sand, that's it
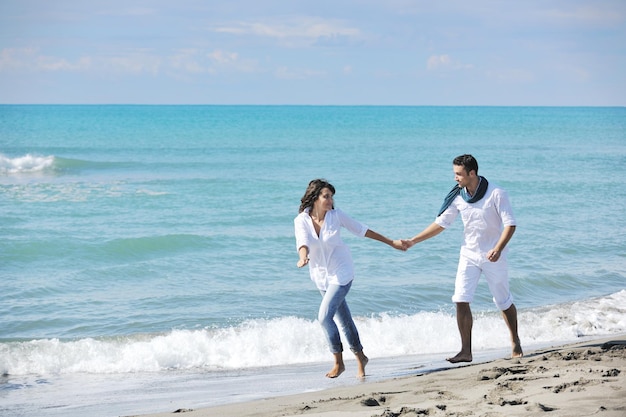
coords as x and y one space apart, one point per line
586 379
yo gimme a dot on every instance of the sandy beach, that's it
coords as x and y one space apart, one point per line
585 379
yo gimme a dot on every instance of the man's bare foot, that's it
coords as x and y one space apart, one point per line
460 357
336 371
362 361
517 351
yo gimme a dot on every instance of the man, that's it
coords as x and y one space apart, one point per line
488 224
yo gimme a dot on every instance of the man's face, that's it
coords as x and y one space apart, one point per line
461 176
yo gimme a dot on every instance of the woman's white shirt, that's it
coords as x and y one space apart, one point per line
330 259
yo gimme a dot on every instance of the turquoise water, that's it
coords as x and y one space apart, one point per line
150 243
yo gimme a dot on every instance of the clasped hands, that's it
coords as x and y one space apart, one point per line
402 244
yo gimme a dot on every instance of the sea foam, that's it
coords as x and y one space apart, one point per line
291 340
24 164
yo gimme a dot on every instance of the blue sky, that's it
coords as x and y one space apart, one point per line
392 52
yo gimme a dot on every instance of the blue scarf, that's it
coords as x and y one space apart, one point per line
480 193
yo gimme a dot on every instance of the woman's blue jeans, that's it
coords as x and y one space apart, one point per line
334 306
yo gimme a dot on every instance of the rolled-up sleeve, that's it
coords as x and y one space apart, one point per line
354 226
505 208
446 218
302 236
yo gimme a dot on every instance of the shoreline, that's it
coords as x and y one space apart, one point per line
580 379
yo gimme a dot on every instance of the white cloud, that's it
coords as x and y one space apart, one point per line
134 63
445 62
47 63
186 60
590 15
30 59
191 61
131 11
292 30
232 62
285 73
438 61
15 58
222 57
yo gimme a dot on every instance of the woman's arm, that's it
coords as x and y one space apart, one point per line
302 239
396 244
303 253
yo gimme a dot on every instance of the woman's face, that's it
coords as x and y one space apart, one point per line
325 200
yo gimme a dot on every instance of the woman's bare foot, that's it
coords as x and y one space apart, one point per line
338 368
362 361
460 357
336 371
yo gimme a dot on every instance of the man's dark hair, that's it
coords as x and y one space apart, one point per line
466 161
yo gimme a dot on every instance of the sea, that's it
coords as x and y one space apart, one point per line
148 259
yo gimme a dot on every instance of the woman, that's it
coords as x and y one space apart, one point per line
319 244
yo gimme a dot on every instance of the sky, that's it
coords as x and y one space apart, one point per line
341 52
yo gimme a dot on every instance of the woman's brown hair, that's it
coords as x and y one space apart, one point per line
313 191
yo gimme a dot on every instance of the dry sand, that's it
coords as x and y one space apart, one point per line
586 379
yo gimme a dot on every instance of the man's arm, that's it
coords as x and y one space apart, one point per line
431 231
494 254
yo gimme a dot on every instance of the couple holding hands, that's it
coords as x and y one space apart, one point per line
488 224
